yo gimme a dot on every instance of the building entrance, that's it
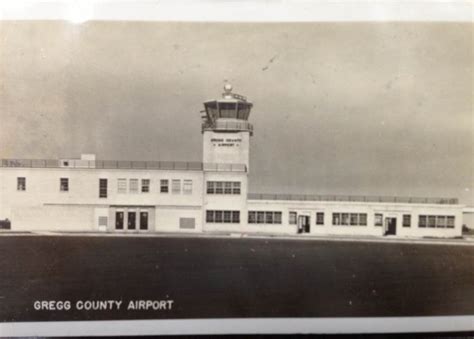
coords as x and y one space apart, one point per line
132 220
391 226
304 224
119 220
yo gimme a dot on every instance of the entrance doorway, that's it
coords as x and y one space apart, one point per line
304 224
143 220
132 222
119 220
391 226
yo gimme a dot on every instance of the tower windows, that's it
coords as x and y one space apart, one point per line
223 187
219 216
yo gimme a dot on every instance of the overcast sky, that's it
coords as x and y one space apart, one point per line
377 109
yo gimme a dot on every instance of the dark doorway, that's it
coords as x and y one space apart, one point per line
143 220
119 220
132 222
391 226
304 224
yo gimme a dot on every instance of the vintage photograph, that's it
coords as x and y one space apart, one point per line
203 170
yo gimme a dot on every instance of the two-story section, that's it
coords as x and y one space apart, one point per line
101 195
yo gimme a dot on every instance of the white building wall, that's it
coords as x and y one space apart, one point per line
42 202
328 208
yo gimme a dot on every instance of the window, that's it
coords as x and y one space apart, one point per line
187 186
435 221
227 216
292 218
164 186
236 187
264 217
217 216
354 219
236 216
102 188
145 185
406 220
252 217
228 187
133 185
422 221
176 186
219 187
209 216
378 219
210 187
319 218
347 219
21 184
121 185
277 217
223 187
64 184
440 221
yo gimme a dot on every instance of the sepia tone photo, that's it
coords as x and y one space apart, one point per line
195 170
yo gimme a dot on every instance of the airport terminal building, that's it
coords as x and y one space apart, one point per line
91 195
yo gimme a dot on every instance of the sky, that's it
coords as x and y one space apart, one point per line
339 108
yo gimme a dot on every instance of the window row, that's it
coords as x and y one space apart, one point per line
219 216
349 219
293 218
223 187
264 217
133 186
436 221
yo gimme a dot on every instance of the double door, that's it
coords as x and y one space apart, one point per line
131 220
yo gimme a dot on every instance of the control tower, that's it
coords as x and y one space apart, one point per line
226 130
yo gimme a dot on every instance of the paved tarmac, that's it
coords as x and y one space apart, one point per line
233 277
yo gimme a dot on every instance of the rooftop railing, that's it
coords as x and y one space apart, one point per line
355 198
122 164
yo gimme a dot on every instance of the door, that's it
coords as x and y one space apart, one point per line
119 220
143 221
391 226
132 222
303 224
